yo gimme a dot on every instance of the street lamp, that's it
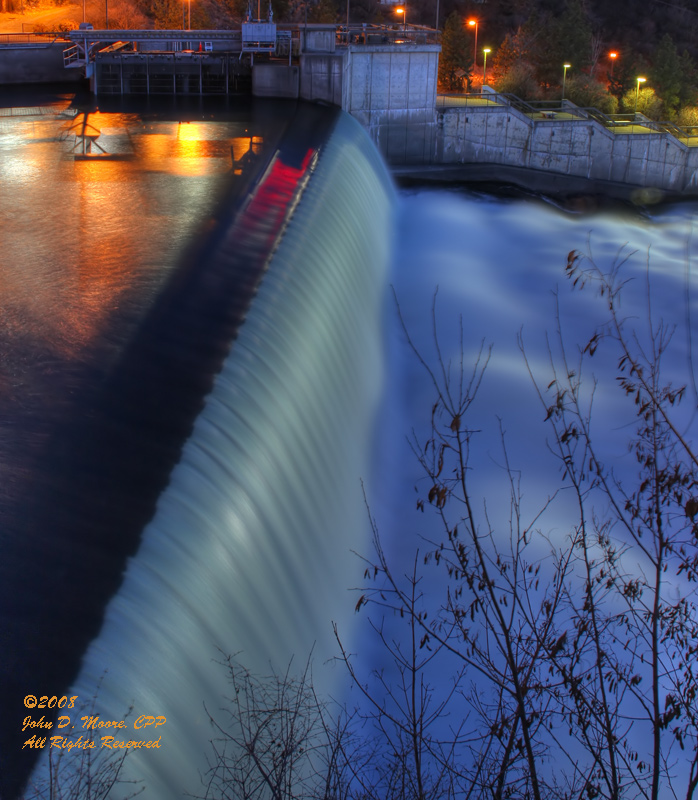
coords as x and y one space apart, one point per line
613 56
637 91
402 10
565 67
473 23
485 51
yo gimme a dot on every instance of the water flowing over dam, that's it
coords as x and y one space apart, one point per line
248 550
200 361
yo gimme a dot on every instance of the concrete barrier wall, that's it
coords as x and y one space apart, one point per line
31 63
581 148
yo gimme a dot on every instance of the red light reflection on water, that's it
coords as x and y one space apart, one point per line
266 214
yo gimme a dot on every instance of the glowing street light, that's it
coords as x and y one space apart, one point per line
565 67
402 10
473 23
485 51
613 56
637 91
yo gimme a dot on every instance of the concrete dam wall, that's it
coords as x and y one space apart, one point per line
390 87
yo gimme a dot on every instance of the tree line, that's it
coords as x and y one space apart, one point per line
604 63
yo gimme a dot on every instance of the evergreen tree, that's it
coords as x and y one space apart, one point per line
456 61
511 52
688 93
564 39
665 75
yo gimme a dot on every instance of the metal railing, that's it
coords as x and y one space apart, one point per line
31 38
463 100
541 110
71 55
395 34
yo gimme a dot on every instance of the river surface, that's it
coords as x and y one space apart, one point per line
98 206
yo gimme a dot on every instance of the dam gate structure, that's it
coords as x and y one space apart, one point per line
386 77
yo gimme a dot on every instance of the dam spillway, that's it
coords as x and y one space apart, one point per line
496 261
271 337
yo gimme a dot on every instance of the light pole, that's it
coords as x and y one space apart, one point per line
613 56
565 67
473 23
402 10
485 51
637 91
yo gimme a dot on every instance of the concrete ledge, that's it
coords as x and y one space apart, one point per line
538 181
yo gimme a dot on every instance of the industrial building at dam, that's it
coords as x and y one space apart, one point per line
384 76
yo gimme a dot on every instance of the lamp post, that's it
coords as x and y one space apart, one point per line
485 51
637 91
565 67
402 10
473 23
613 56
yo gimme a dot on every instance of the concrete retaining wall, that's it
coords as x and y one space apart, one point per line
35 63
582 148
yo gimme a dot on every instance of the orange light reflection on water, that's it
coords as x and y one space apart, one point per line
243 145
104 224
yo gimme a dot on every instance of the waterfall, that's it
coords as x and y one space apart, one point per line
249 550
